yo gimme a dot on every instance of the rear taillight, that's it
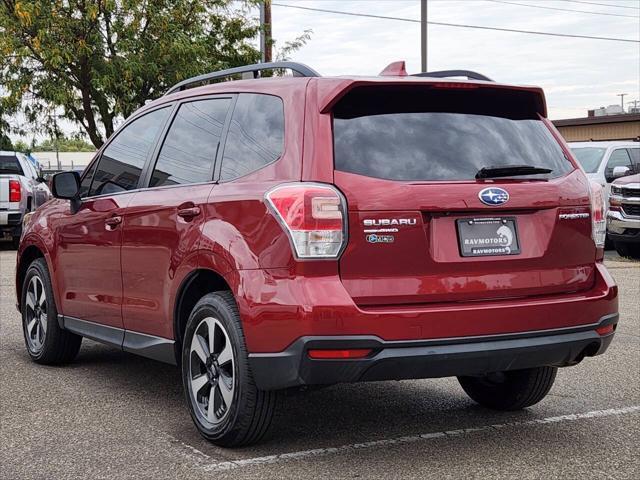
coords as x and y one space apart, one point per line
598 220
15 192
314 217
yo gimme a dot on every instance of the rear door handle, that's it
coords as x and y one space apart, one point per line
113 222
189 212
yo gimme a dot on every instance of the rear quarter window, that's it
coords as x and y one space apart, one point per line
427 135
256 135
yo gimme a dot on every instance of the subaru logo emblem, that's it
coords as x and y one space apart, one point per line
493 196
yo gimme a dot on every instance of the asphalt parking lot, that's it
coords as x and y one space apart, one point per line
115 415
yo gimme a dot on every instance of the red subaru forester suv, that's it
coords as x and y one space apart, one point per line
271 233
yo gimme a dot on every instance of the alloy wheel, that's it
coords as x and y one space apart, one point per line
36 314
211 368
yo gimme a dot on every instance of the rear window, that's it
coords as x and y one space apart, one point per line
589 157
433 135
9 165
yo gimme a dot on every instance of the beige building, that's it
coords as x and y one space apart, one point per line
607 127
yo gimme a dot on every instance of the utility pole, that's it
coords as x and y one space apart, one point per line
265 31
622 95
423 34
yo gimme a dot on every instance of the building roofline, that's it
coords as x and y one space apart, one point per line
623 117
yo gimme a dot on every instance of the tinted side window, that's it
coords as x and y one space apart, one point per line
85 184
256 135
121 163
635 158
618 158
189 150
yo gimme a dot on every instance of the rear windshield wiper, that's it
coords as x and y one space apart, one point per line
510 171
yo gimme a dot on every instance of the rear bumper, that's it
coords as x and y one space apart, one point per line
278 308
11 221
397 360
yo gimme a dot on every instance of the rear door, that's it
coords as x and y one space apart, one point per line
162 223
423 229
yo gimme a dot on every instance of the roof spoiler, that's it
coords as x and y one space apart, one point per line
398 69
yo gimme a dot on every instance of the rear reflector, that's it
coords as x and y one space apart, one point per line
339 354
606 330
15 192
314 217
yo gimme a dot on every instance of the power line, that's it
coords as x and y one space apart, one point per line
458 25
562 9
601 4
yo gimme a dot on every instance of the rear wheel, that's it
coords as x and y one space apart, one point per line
46 342
224 402
631 250
512 390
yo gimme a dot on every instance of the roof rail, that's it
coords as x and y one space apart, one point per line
454 73
299 70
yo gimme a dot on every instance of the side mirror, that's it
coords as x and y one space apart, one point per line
620 171
66 185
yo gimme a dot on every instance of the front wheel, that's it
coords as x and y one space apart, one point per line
512 390
224 402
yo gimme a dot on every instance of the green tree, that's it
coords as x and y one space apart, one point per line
21 146
73 144
5 142
99 60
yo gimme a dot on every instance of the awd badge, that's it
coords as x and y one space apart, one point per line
373 238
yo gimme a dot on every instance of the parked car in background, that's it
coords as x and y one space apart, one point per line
274 233
623 217
22 190
598 159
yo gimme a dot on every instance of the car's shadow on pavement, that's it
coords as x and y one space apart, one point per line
331 416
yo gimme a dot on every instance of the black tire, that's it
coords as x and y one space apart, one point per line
512 390
58 346
629 250
608 243
15 242
249 416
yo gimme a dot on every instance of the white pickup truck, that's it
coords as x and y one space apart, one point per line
22 190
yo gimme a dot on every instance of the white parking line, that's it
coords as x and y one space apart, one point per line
318 452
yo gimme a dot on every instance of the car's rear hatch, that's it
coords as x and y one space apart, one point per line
406 158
